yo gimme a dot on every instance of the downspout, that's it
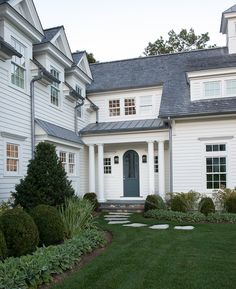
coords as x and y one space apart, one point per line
36 78
75 115
171 153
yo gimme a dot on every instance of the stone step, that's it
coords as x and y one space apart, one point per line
122 207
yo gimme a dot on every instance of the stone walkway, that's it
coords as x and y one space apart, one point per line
115 218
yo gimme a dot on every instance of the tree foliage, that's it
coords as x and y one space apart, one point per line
177 42
46 181
91 58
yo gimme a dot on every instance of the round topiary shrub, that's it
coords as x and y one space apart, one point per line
153 202
49 223
21 233
3 247
206 206
230 203
178 204
92 197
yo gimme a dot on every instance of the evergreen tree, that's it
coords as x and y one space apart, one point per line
46 181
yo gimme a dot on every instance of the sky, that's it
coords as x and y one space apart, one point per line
120 29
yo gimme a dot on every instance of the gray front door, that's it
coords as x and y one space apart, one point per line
131 174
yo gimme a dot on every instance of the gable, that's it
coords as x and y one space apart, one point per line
27 9
61 42
84 65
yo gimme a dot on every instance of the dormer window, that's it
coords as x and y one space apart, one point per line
212 89
130 107
18 64
78 89
55 91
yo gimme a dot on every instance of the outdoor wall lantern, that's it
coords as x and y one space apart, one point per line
144 159
116 160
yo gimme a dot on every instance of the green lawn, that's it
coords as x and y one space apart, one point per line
140 258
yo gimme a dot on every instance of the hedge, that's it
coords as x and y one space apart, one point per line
195 217
31 271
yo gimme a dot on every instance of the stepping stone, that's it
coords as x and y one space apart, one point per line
116 219
186 228
115 216
135 225
118 222
159 227
119 213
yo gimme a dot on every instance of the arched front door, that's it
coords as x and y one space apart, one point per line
131 174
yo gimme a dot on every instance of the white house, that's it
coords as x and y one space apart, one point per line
123 129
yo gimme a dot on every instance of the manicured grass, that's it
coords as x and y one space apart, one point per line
140 258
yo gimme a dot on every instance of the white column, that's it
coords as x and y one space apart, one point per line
161 168
91 169
151 167
101 197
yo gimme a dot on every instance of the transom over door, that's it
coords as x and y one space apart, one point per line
131 174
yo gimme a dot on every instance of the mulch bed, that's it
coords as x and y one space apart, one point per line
83 261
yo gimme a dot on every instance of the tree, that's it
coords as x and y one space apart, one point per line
46 181
183 41
91 58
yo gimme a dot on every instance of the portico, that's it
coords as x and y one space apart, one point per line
128 166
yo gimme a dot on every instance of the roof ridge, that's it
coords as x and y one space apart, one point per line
56 27
77 52
160 55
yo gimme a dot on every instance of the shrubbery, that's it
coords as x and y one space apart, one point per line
206 206
230 203
92 197
77 215
3 246
154 202
20 231
178 204
183 201
46 181
49 223
221 218
167 215
33 270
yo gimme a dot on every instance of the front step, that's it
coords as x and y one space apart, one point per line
122 206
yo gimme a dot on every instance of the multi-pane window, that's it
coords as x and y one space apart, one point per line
78 89
216 174
156 164
18 64
63 159
68 161
212 88
145 105
114 107
107 165
12 158
130 107
71 163
55 90
231 87
80 112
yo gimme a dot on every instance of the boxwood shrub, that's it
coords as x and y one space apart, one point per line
21 233
178 204
3 247
230 203
31 271
153 202
206 206
92 197
49 223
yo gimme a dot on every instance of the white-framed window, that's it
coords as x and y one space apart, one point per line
12 158
68 161
80 112
216 166
78 89
114 107
230 87
107 166
212 89
156 168
145 106
71 169
55 88
130 106
18 66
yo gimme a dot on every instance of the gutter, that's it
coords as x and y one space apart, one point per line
95 108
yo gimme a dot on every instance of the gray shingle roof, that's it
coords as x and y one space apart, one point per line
59 132
124 126
231 9
169 70
50 33
77 56
7 48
